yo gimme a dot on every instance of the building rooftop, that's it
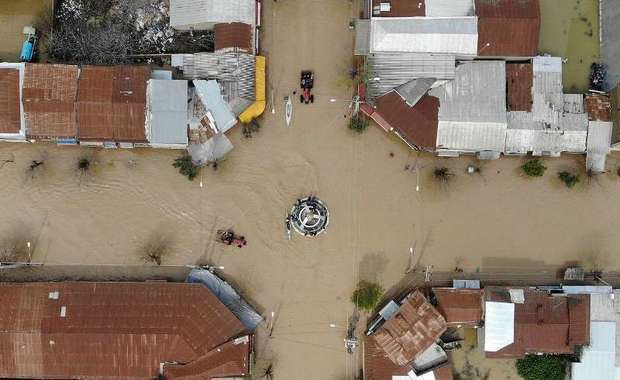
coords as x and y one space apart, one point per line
167 117
204 14
48 94
508 28
113 330
460 306
598 145
400 8
411 330
519 83
233 35
10 105
598 107
454 35
111 103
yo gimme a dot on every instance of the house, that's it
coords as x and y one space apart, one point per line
111 104
49 93
119 331
521 321
12 125
402 341
166 113
508 28
460 307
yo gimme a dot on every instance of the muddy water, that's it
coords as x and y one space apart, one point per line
570 29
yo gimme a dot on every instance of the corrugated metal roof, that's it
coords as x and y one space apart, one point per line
472 110
362 37
598 359
453 35
401 8
167 112
414 90
203 14
211 98
387 71
10 104
519 83
498 325
449 8
598 145
610 34
414 328
460 306
110 330
48 94
508 28
234 35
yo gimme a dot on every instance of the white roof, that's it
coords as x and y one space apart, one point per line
167 112
452 35
602 307
499 325
526 135
203 14
472 108
449 8
598 359
211 97
587 289
599 144
22 130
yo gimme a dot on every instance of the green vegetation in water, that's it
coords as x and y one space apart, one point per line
534 168
367 295
358 123
186 166
250 128
542 367
569 179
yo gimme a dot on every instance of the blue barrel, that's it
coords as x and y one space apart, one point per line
27 51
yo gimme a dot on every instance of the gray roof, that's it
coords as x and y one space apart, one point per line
599 144
362 37
213 102
203 14
414 90
387 71
213 149
452 35
449 8
472 108
167 112
610 49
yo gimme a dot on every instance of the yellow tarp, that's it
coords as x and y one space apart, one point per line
258 107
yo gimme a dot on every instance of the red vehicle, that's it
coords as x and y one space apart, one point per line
306 84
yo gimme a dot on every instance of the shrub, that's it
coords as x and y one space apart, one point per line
186 167
367 295
358 123
250 128
542 367
442 174
534 168
569 179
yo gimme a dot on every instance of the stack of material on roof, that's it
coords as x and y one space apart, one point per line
460 307
472 111
49 93
235 36
117 331
167 113
111 103
543 323
508 28
10 101
204 14
556 123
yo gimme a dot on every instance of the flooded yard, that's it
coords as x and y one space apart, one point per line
570 29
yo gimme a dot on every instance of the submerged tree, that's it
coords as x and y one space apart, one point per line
534 168
442 174
367 295
186 166
569 179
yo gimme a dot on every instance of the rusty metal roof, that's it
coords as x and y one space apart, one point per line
111 103
236 35
110 330
519 83
10 117
49 92
545 323
411 330
460 306
417 124
598 107
508 28
403 8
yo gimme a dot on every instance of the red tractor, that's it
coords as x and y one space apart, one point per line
306 83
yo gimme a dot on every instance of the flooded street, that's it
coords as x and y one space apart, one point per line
495 219
570 29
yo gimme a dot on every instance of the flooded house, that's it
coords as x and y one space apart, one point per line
120 331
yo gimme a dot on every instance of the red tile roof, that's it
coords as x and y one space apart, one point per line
10 113
403 8
49 92
411 330
508 28
233 35
417 124
460 306
112 330
598 107
111 103
545 323
519 82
